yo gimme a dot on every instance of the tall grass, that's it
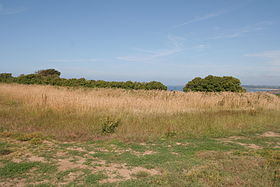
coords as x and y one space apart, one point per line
69 113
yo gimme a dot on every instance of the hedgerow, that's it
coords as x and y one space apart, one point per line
52 77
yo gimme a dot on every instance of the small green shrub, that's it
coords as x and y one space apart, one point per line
36 141
109 126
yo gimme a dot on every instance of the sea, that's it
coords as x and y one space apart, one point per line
249 88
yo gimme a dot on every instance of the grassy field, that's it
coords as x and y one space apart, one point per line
56 136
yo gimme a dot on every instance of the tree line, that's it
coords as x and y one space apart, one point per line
52 77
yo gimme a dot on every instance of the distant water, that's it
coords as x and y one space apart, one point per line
175 87
247 87
262 89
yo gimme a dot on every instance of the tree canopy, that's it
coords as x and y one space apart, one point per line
48 72
214 84
51 77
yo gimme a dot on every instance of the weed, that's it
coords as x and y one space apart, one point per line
109 126
36 141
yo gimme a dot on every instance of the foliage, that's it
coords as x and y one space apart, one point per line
214 84
109 126
51 77
48 72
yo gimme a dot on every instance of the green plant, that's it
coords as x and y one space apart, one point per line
51 77
48 72
109 126
36 141
214 84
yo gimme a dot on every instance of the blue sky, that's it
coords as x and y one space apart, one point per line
171 41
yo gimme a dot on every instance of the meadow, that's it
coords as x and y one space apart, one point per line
116 137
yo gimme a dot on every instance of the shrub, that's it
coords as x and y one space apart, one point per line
214 84
48 72
109 126
51 77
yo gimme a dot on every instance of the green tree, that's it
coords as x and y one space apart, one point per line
5 75
214 84
48 72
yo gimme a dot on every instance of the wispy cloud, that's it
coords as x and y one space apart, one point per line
11 11
242 31
266 54
200 18
149 55
76 60
272 57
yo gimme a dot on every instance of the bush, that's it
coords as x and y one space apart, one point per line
48 72
109 126
214 84
51 77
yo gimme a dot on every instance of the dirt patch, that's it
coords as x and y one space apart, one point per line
121 172
66 164
251 146
48 143
116 172
72 176
270 134
183 144
76 149
231 138
34 158
102 149
16 160
14 182
61 154
142 153
137 153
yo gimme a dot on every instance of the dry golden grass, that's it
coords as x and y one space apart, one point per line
140 101
79 112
